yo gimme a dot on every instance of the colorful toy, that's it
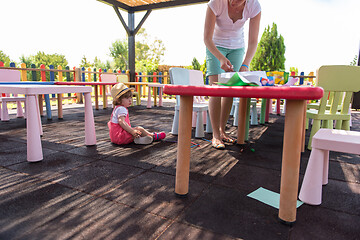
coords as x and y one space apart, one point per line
267 81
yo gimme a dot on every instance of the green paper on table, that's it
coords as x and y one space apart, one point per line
269 197
238 80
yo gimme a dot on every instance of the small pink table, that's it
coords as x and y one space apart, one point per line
154 86
104 84
293 132
33 122
95 85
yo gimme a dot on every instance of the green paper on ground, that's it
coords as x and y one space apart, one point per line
269 197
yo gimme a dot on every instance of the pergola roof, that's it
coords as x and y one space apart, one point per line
132 6
143 5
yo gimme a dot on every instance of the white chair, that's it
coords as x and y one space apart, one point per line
253 112
317 169
182 76
7 75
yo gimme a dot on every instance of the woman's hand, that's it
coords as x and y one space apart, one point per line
226 65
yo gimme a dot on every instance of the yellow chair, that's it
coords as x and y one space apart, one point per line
124 79
340 81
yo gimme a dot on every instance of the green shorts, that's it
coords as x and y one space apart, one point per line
235 56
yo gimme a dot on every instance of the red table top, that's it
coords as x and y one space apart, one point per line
85 83
274 92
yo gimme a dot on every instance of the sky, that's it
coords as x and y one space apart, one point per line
316 32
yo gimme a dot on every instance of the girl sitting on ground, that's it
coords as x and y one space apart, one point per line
120 129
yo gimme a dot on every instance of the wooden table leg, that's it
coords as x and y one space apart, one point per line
241 121
41 105
104 97
184 142
90 136
291 160
96 97
60 109
34 148
303 130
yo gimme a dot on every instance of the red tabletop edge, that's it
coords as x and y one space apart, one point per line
290 92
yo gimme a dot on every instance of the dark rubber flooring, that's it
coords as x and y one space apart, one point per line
127 192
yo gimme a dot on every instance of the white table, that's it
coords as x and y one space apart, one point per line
33 123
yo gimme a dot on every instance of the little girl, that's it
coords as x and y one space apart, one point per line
120 129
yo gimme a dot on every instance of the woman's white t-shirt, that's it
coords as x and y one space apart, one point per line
120 111
226 33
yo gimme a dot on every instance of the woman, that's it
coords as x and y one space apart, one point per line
225 49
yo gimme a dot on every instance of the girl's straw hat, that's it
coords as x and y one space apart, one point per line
119 89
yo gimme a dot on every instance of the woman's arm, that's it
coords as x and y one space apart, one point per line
208 40
254 26
126 127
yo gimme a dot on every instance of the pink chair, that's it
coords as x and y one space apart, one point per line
316 173
7 75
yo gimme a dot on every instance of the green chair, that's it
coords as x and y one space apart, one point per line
340 82
316 105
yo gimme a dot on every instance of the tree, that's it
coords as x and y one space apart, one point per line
119 51
84 63
99 64
195 63
46 59
354 61
270 53
4 58
147 54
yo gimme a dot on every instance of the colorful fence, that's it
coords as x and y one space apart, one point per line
85 75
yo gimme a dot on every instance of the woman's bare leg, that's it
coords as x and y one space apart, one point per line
226 104
215 112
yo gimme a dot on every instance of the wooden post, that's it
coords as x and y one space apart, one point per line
60 96
68 77
154 89
40 98
46 96
23 72
60 74
52 76
78 79
165 80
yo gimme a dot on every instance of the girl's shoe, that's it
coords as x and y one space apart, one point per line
143 140
159 135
